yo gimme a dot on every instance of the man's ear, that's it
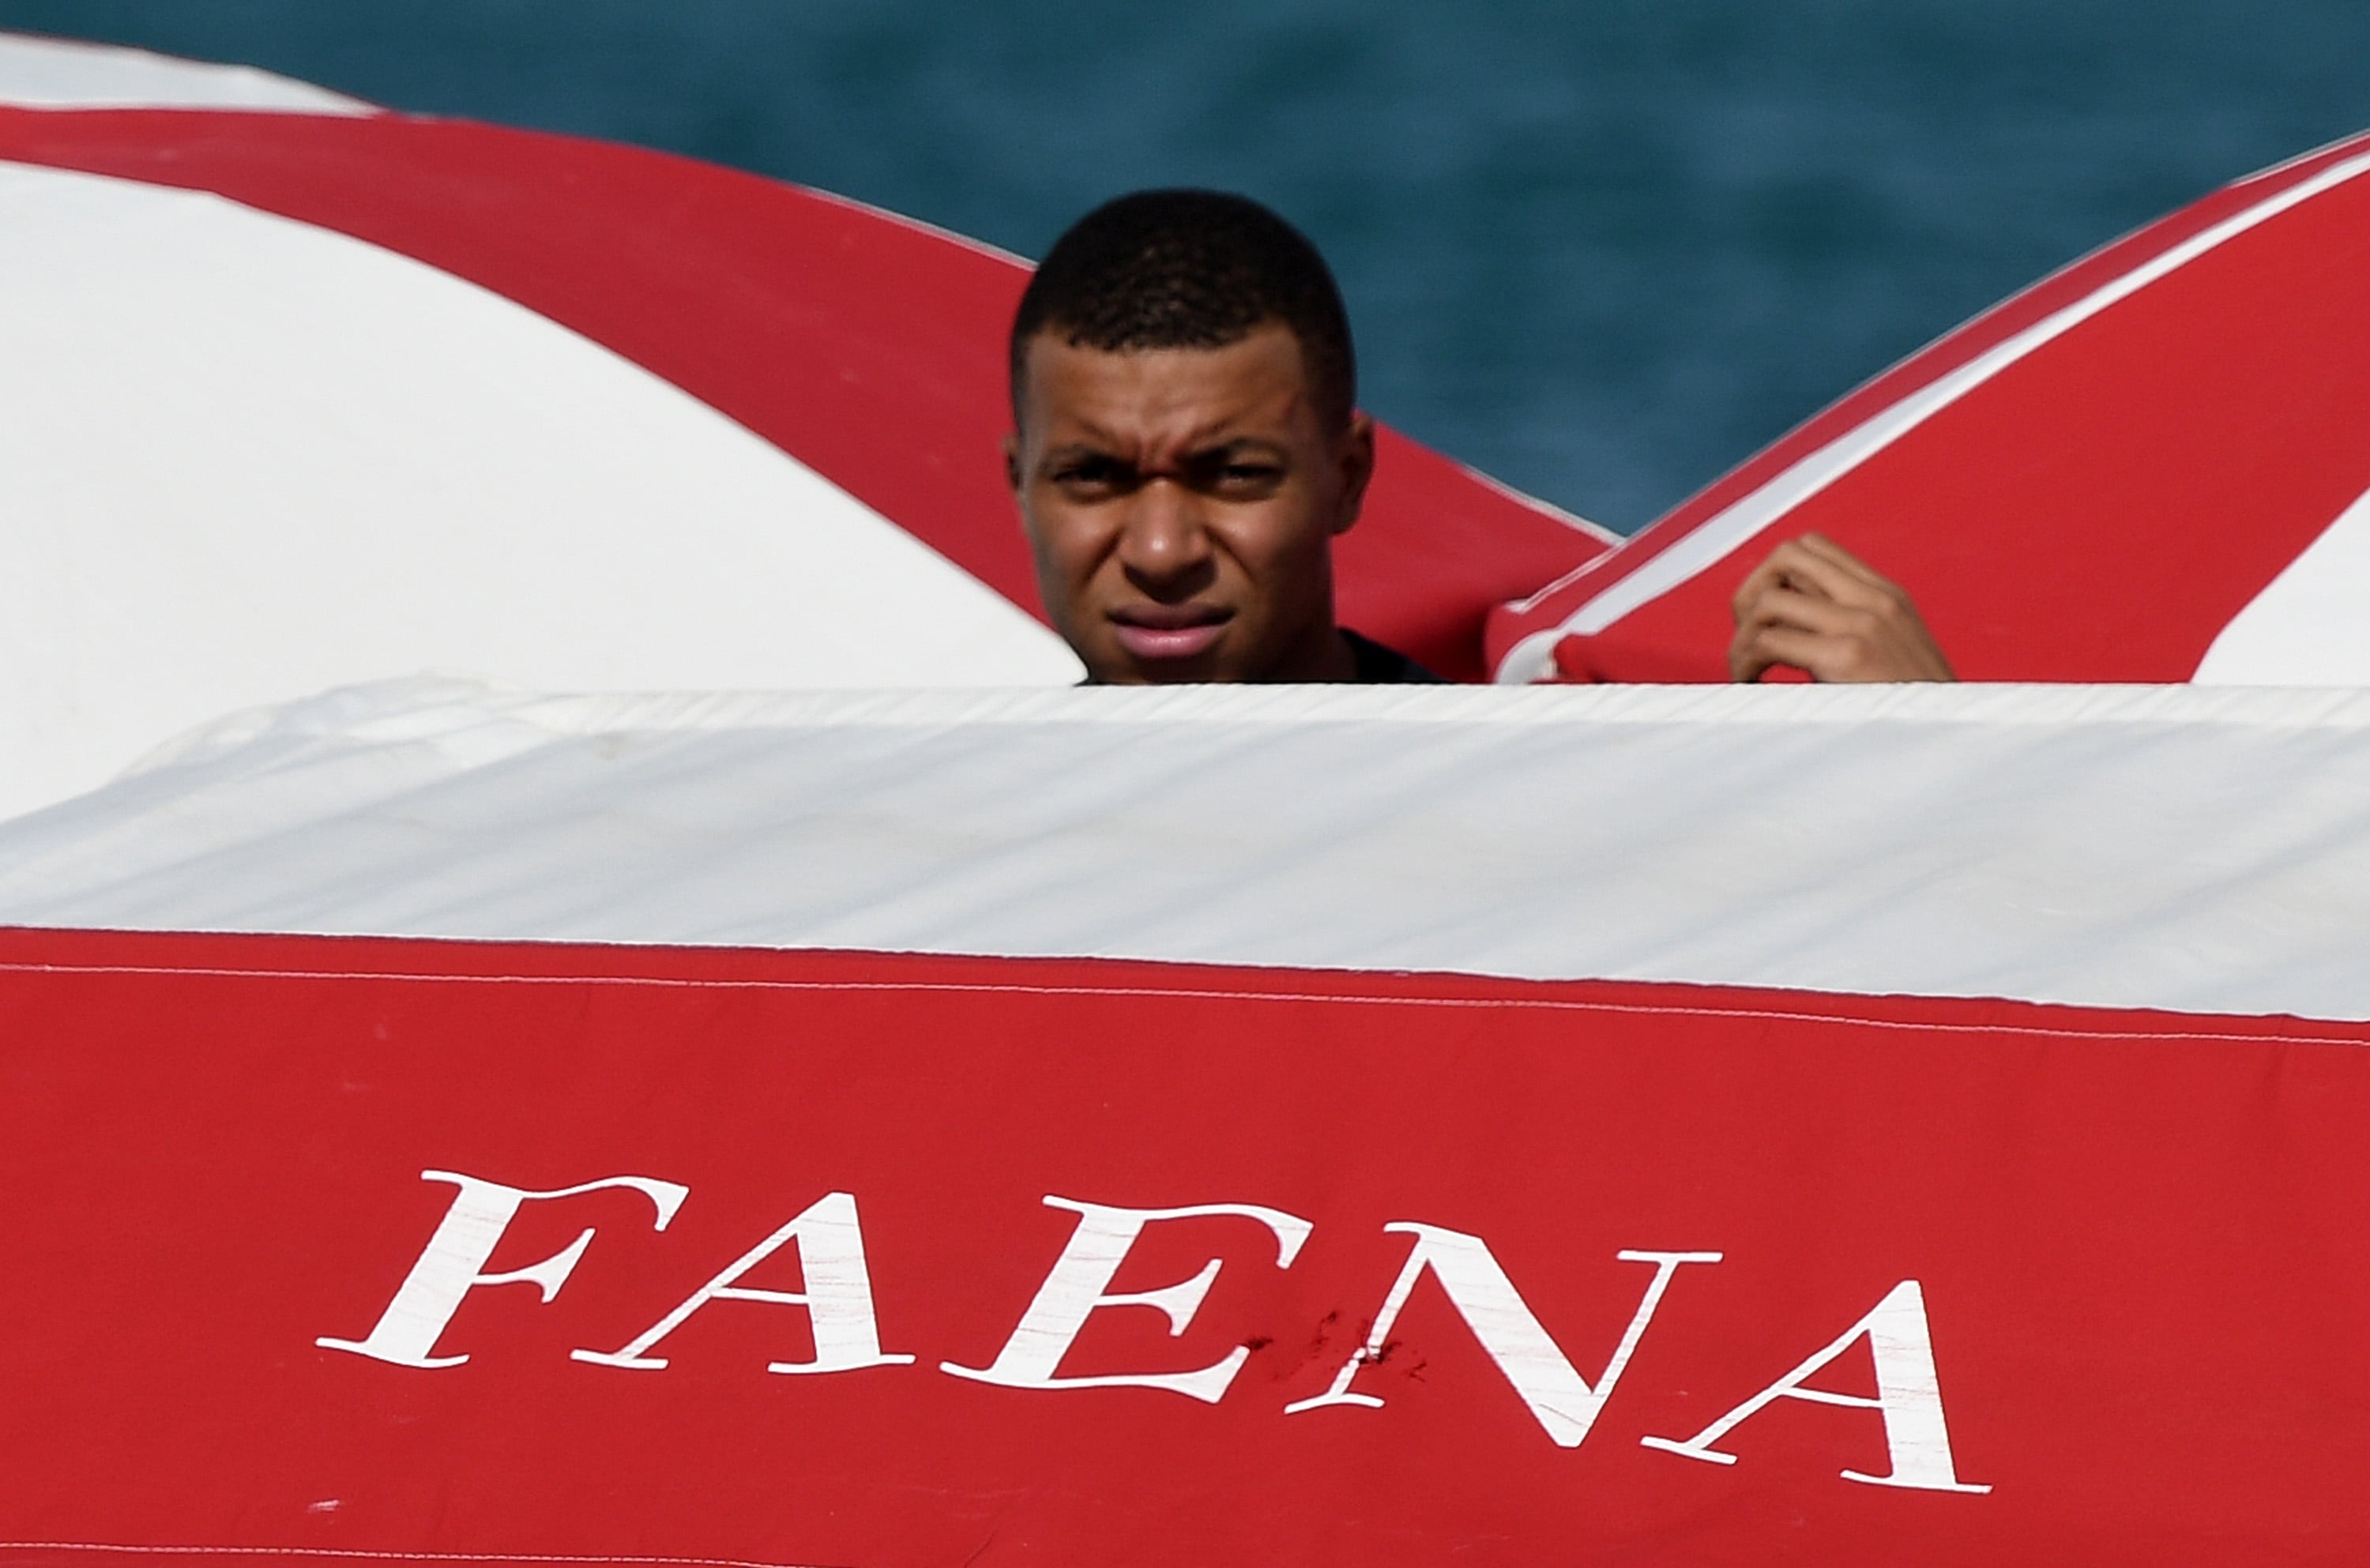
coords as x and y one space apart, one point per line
1357 455
1012 462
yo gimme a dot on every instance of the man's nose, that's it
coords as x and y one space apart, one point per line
1164 537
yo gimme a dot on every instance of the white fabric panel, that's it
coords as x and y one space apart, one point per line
2174 848
56 73
2312 626
243 459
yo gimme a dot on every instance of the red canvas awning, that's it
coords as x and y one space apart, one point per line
384 1252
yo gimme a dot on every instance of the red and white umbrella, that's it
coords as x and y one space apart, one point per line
2153 466
299 393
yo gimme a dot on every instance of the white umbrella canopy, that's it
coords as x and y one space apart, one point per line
66 72
285 460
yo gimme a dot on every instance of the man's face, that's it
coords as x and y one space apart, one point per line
1181 505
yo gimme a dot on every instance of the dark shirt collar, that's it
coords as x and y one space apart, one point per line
1375 664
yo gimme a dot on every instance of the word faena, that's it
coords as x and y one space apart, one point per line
837 1300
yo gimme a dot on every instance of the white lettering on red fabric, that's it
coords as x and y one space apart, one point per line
1908 1395
1079 1286
454 1263
837 1296
1563 1401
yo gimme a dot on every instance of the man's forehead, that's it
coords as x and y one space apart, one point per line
1258 378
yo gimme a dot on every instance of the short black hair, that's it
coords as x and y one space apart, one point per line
1189 270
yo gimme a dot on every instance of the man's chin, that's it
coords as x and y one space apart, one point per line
1204 671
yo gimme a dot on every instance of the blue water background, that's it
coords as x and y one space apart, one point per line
1602 250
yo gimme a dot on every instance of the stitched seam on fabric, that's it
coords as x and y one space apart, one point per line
1527 1004
357 1553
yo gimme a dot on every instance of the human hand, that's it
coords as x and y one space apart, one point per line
1813 606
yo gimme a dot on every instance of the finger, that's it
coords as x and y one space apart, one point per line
1805 611
1789 566
1845 576
1812 571
1820 656
1746 661
1860 648
1770 574
1786 610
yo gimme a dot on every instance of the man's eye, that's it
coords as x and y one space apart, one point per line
1250 476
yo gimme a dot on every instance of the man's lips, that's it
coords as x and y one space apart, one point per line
1160 632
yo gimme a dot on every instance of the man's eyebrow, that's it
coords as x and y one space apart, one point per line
1088 448
1237 449
1098 443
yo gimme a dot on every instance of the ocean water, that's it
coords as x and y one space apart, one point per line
1602 250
